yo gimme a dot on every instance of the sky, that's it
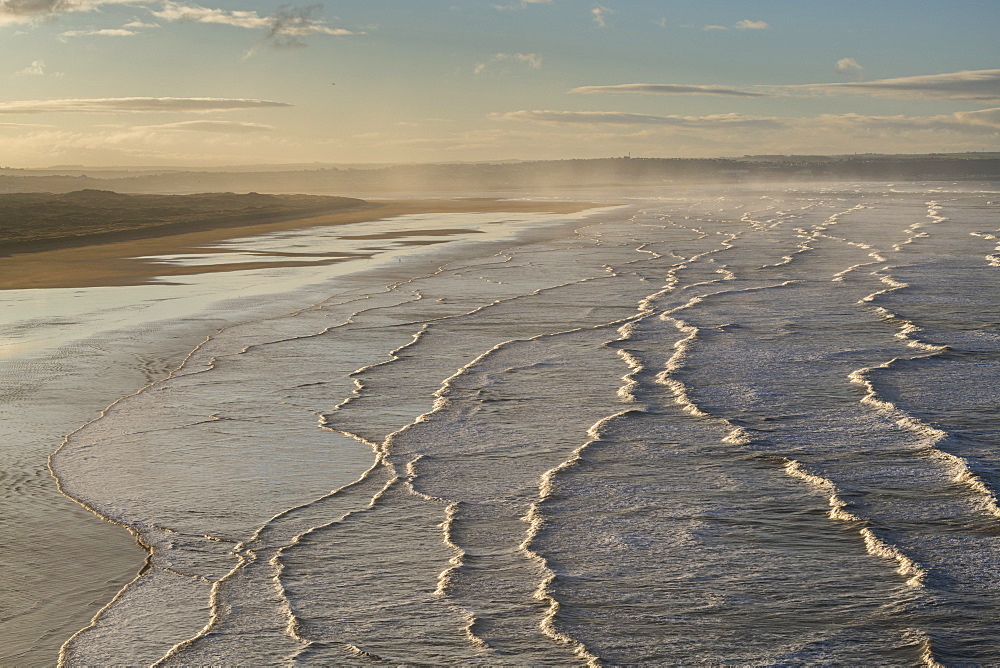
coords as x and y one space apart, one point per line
241 82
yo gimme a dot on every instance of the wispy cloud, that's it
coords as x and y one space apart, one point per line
35 69
625 118
32 11
987 117
175 11
288 24
747 24
851 68
983 85
25 125
531 60
602 132
284 28
228 127
982 122
522 4
972 123
134 105
966 85
103 32
667 89
599 15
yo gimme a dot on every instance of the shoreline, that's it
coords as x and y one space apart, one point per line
103 263
102 558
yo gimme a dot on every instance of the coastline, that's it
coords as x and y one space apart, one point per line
88 561
104 263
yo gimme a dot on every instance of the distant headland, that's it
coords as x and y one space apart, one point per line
502 175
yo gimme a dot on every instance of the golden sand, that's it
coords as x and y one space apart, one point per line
119 263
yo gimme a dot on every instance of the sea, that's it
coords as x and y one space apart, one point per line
749 424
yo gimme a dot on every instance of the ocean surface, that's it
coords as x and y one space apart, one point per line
730 425
66 354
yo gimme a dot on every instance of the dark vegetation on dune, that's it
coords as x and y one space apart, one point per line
92 216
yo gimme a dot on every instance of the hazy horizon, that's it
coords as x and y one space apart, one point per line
317 164
159 83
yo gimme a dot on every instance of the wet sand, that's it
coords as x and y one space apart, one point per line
121 262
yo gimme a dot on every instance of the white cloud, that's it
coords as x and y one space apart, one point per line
981 85
676 89
284 28
32 11
988 117
662 22
104 32
983 123
968 123
850 67
534 138
36 69
747 24
134 105
966 85
626 118
532 60
229 127
599 15
522 4
174 11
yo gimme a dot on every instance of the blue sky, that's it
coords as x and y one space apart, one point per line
177 82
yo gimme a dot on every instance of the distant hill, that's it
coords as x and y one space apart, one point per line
531 176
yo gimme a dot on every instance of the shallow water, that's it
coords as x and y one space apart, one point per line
741 425
65 354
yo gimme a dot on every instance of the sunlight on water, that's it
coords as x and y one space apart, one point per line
79 349
752 428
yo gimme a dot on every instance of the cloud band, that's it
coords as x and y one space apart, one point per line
135 105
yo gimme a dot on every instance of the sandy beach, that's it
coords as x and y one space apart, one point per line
721 443
63 563
675 394
121 263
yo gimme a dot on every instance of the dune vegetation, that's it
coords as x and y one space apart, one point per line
33 221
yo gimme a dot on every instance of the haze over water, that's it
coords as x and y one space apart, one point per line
722 425
706 422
